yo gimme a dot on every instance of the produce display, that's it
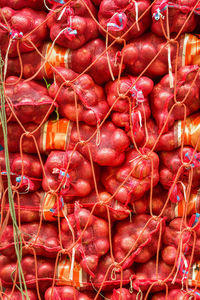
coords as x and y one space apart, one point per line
100 149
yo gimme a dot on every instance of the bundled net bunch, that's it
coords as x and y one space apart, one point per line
100 149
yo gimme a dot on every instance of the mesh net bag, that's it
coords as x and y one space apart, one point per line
107 148
146 275
177 294
152 55
73 25
52 135
175 168
32 207
84 98
141 55
176 229
15 132
104 205
108 274
135 101
179 15
184 132
26 171
117 17
43 239
151 278
40 270
93 53
163 99
63 277
131 180
122 293
94 239
18 24
27 101
161 204
66 293
69 172
144 134
17 295
134 242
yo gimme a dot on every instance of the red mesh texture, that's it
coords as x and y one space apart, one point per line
139 53
136 240
31 63
118 16
15 132
21 23
122 293
163 99
177 294
30 207
27 205
142 205
76 181
41 135
16 295
107 149
178 12
178 134
66 293
171 238
29 101
76 60
117 210
146 276
73 25
131 180
173 170
26 171
45 271
92 106
136 101
94 241
43 239
145 135
80 59
171 210
18 4
110 275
